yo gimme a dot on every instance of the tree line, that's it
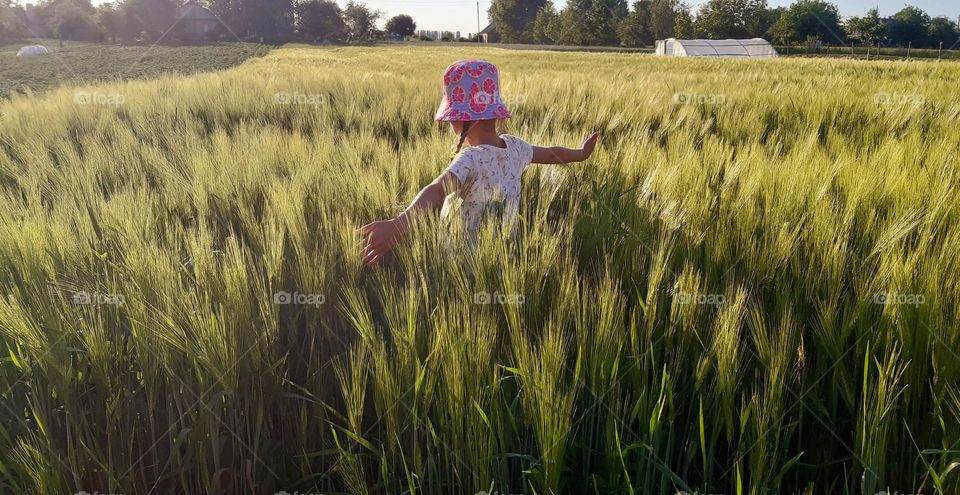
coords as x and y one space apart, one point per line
579 22
156 21
615 22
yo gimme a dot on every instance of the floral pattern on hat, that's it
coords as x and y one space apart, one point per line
471 93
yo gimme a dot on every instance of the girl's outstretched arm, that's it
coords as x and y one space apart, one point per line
380 237
560 155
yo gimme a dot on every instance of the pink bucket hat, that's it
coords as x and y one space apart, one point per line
471 92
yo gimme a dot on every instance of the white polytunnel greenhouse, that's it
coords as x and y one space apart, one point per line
32 50
749 48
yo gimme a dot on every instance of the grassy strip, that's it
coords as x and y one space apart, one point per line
83 63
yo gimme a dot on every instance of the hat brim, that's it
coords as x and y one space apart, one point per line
453 113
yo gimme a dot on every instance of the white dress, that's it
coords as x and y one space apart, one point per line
490 181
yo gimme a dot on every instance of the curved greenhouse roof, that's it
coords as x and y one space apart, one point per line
749 48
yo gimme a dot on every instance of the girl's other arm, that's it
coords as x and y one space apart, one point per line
560 155
380 237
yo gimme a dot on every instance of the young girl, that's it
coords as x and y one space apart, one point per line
485 175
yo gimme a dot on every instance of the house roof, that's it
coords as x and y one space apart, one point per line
193 11
490 29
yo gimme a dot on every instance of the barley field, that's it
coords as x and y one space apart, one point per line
751 288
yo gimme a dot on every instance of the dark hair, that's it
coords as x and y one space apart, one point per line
463 134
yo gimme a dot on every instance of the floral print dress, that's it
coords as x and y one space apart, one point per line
490 180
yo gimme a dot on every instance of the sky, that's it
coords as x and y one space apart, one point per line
461 15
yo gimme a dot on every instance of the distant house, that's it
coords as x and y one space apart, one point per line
490 35
197 23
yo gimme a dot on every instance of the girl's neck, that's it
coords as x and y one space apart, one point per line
485 134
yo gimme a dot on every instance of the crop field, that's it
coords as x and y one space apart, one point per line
86 63
751 287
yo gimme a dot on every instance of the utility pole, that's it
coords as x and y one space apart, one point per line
478 22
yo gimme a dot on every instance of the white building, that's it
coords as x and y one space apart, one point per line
750 48
439 35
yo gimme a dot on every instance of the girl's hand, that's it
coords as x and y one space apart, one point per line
380 237
589 145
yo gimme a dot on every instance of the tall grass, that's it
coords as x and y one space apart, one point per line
751 287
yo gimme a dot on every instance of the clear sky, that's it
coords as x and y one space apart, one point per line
461 15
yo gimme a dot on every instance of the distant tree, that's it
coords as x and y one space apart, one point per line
546 26
401 24
567 28
761 25
773 16
683 27
610 14
634 30
153 18
733 19
130 27
9 25
868 29
270 20
652 20
360 19
232 13
910 25
597 21
320 20
110 21
73 20
515 19
782 32
943 30
663 18
809 19
580 23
